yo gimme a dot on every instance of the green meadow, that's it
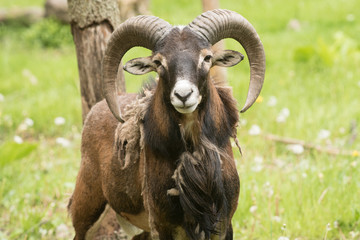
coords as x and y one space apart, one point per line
311 93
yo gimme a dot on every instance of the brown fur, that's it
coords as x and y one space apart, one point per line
139 167
102 178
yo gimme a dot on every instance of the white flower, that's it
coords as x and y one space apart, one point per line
2 98
18 139
257 167
255 130
63 142
268 189
69 185
276 218
323 134
62 231
283 115
25 124
30 76
242 122
320 175
285 112
304 164
328 227
280 119
43 231
342 130
253 209
279 163
346 179
353 234
59 121
295 148
294 24
22 127
258 160
29 122
350 17
283 238
272 101
8 120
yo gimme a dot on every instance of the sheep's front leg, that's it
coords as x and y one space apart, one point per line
162 234
158 231
142 236
229 233
87 202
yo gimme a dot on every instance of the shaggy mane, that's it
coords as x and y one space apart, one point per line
198 175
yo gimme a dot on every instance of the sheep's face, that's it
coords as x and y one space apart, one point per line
183 60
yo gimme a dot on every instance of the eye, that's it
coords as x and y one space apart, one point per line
157 63
207 58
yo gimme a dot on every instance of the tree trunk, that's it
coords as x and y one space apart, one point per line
130 8
210 4
90 47
57 9
92 23
218 73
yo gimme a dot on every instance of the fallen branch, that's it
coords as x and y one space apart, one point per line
25 16
57 9
329 150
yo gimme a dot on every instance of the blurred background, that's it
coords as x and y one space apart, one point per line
300 168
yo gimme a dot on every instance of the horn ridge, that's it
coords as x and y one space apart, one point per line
139 31
218 24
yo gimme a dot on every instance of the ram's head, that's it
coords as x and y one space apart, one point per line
182 56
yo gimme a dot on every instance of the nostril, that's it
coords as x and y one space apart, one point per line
183 99
183 96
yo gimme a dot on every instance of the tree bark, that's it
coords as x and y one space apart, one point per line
210 4
90 47
57 9
92 23
218 73
130 8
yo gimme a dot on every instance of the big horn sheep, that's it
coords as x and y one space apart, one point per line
163 159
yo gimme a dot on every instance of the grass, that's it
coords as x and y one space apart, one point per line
312 71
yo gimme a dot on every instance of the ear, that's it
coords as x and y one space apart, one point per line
139 66
227 58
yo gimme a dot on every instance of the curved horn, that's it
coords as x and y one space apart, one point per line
142 31
219 24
